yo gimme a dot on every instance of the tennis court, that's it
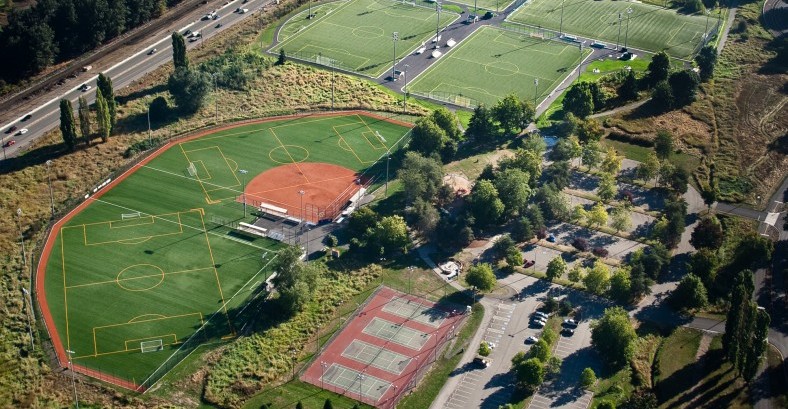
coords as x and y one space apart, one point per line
415 311
396 333
354 381
376 356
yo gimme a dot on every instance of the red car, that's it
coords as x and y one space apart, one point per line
529 263
9 143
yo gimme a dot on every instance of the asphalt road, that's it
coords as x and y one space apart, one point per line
47 116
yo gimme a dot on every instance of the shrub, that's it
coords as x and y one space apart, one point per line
600 251
541 233
628 196
580 244
484 349
140 146
488 15
159 109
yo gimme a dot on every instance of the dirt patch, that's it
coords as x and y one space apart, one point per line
478 243
458 182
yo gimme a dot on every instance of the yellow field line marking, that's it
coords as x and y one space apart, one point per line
148 320
252 194
207 196
353 151
288 154
132 225
370 130
134 238
136 278
216 273
229 167
174 337
205 168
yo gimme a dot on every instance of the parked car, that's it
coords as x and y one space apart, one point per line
542 314
187 33
11 129
529 263
483 362
538 324
568 332
551 238
531 340
570 323
9 143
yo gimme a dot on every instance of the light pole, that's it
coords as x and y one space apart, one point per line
360 384
561 26
626 36
475 11
323 366
410 277
21 237
150 138
73 378
618 39
536 90
30 312
394 39
293 361
51 195
706 30
216 98
437 22
333 70
244 172
309 17
405 90
301 193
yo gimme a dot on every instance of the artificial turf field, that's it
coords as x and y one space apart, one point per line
145 263
357 35
493 62
651 28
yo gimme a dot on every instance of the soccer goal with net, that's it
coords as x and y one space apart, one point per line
192 169
126 216
151 346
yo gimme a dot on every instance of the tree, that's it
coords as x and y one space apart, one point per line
481 276
641 398
529 373
514 257
282 59
67 127
598 215
575 274
678 180
690 294
684 85
579 214
614 337
612 162
629 88
662 96
447 121
428 137
104 83
621 219
704 264
502 246
179 58
299 405
391 233
482 125
103 119
608 188
579 100
554 205
513 114
712 192
361 221
189 89
484 204
84 119
606 404
540 350
706 59
587 378
421 176
754 354
648 169
559 174
424 217
528 161
663 144
553 365
639 283
534 214
592 155
589 129
754 250
328 404
620 285
556 268
484 349
658 68
597 278
735 322
522 229
708 234
295 281
566 148
513 190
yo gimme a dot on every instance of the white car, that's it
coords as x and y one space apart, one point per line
541 314
538 324
570 322
22 131
531 340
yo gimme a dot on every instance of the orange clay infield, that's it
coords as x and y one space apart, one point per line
326 187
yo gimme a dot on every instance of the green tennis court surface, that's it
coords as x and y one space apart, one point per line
417 312
153 268
492 63
376 356
651 28
396 333
357 35
355 382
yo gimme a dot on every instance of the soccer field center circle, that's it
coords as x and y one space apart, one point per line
140 277
501 68
368 32
287 154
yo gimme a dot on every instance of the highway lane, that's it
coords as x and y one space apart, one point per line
47 116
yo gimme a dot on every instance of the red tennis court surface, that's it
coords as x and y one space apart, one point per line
385 349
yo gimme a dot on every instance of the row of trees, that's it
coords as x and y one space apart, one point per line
508 117
105 115
746 329
56 30
530 369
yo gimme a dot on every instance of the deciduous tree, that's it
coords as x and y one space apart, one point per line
587 378
597 278
621 219
706 59
592 154
189 89
420 176
481 127
598 215
481 276
708 234
608 188
658 68
663 144
579 100
689 294
484 204
513 114
513 190
614 337
556 268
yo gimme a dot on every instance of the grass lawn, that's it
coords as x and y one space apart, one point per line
357 35
483 5
149 264
640 153
492 63
651 28
675 359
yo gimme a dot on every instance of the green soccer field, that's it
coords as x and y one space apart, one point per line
151 262
493 63
357 35
651 28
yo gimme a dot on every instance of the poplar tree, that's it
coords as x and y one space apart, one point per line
102 116
179 59
67 126
84 119
104 83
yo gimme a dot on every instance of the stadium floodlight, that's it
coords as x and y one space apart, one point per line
394 38
51 195
405 90
536 90
561 26
626 36
438 8
244 172
28 300
21 237
618 39
73 379
301 193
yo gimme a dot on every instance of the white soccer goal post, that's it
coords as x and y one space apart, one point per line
151 346
125 216
192 169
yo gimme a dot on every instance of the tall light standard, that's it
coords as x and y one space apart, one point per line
561 26
301 193
29 303
73 378
437 21
244 172
216 98
333 71
21 237
394 39
536 90
618 39
410 277
51 194
360 384
706 30
475 11
626 36
323 366
405 90
150 137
